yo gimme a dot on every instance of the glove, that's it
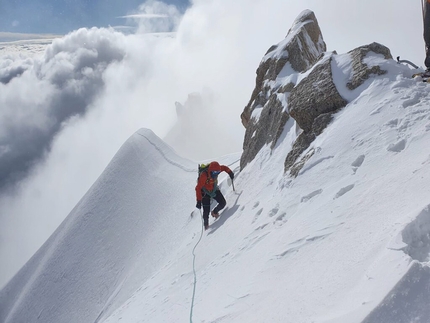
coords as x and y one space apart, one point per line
231 175
199 205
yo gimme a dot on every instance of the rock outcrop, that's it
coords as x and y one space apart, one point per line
361 72
314 96
295 80
265 115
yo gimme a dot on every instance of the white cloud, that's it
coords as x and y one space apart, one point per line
154 16
145 16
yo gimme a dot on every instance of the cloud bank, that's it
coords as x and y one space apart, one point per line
64 114
40 95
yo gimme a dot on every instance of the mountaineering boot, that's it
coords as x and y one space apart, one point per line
215 215
426 74
206 226
427 59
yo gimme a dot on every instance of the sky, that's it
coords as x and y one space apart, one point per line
67 107
64 16
344 241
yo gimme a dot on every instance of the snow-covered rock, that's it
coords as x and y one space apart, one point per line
295 79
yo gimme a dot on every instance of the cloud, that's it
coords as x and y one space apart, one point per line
38 96
199 132
154 16
145 16
65 113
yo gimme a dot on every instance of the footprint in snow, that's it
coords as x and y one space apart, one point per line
261 227
357 163
257 214
274 211
280 218
344 190
311 195
411 101
398 146
297 245
376 111
287 252
317 238
379 109
392 123
405 125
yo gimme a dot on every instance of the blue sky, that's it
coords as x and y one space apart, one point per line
63 16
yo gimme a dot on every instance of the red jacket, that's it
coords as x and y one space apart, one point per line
208 183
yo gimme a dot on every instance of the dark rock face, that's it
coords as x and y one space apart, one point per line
303 142
266 115
315 95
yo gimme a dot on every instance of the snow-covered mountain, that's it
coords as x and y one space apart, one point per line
345 238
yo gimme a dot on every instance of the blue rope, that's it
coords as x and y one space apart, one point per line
194 271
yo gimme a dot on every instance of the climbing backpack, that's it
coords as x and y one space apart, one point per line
205 168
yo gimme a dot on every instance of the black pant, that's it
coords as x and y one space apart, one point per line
206 203
427 32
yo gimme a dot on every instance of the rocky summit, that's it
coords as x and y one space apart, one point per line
295 81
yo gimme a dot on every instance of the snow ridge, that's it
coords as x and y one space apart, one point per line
113 239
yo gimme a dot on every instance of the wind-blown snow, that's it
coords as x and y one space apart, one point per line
340 243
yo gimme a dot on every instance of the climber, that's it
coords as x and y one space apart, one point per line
207 189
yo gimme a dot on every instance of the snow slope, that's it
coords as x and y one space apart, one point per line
327 246
117 236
